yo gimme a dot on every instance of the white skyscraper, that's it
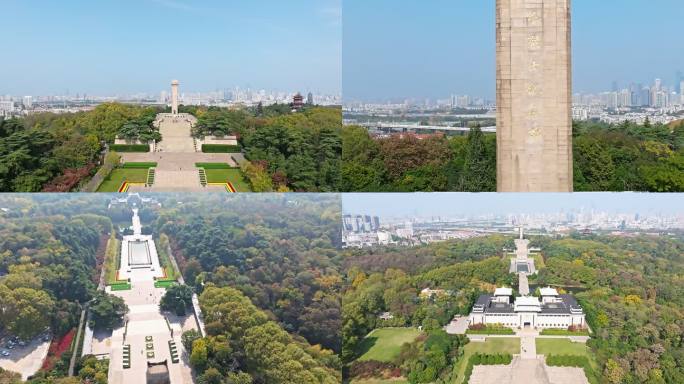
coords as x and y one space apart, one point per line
28 102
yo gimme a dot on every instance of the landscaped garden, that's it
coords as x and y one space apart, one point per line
384 344
220 173
136 173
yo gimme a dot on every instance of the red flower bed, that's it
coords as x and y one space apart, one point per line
69 179
57 348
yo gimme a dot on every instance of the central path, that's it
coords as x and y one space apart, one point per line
145 320
176 134
176 156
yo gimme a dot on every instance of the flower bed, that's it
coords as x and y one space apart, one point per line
57 349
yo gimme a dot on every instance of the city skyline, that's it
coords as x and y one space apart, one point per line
103 48
425 58
466 204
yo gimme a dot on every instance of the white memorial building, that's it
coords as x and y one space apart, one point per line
550 311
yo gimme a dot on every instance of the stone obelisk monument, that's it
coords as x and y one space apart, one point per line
174 97
533 96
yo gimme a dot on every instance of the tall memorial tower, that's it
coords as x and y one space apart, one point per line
174 97
533 96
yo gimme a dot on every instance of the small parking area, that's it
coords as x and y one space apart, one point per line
22 357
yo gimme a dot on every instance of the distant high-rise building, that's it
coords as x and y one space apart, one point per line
679 82
28 102
376 223
347 222
658 84
615 86
309 99
681 92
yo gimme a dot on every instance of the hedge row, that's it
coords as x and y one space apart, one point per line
164 283
484 359
220 148
213 165
490 331
563 332
573 361
139 165
129 147
120 286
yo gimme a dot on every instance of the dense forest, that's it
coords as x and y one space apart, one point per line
287 151
623 157
281 252
278 255
48 271
270 262
59 152
56 152
630 288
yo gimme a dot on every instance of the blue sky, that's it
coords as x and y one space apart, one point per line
454 204
432 48
126 46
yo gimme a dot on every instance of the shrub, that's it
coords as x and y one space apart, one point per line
139 165
220 148
213 165
481 329
129 147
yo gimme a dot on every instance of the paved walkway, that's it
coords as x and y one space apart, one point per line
523 284
528 347
144 319
176 157
176 136
457 326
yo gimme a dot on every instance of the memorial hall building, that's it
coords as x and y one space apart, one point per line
550 311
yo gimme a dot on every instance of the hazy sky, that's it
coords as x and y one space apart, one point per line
432 48
127 46
455 204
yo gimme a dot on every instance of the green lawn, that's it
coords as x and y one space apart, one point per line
233 175
384 344
111 263
113 182
164 258
561 347
566 347
491 346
